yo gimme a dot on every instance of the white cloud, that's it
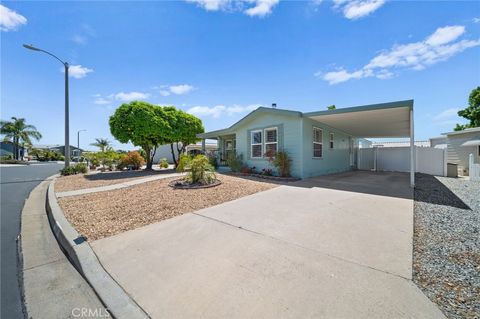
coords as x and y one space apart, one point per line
77 71
166 90
10 20
181 89
211 5
355 9
130 96
446 117
261 8
437 47
476 20
445 35
79 39
252 8
220 110
102 101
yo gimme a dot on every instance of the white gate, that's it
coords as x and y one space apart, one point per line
473 169
428 160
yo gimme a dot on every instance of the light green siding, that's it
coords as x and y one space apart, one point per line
333 160
288 139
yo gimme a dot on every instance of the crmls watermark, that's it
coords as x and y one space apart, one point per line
90 313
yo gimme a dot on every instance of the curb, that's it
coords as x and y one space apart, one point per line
83 258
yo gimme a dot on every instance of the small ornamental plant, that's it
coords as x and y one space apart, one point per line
132 160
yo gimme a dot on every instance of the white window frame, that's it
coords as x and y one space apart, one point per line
314 142
331 142
253 144
265 143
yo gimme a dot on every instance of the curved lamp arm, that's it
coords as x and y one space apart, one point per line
31 47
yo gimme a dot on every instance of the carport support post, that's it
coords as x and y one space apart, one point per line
412 151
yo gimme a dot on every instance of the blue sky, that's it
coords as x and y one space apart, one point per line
220 59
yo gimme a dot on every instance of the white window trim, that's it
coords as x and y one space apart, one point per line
252 144
331 141
321 141
265 138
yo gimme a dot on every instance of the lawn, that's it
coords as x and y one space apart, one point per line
103 214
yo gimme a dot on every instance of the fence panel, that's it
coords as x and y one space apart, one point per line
473 169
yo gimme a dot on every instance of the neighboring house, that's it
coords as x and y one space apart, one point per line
7 149
164 151
74 151
459 145
400 144
318 143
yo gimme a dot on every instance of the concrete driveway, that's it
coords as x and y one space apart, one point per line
329 247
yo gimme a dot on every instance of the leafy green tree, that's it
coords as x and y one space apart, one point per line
102 143
143 124
19 133
472 112
185 128
331 107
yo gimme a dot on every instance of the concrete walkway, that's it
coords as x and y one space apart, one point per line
116 186
52 286
291 252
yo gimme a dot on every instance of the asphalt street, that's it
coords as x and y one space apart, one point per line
16 184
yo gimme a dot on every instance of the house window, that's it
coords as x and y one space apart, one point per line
331 140
256 144
271 141
317 142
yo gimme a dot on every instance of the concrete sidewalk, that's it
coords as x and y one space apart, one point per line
116 186
52 286
289 252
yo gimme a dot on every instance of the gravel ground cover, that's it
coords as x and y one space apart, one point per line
96 179
99 215
446 257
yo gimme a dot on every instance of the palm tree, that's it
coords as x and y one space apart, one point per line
102 143
17 132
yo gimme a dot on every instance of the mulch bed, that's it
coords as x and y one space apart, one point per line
103 214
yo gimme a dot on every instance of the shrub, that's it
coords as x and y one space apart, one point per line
68 171
163 163
282 163
212 159
200 171
235 162
81 168
183 163
131 160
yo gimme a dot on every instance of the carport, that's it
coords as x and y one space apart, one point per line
385 120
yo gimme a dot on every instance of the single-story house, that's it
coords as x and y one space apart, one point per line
319 142
74 151
459 145
164 151
7 148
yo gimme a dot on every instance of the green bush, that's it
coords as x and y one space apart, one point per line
200 171
183 163
212 159
235 162
80 168
163 163
282 163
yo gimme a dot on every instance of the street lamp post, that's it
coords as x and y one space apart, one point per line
67 126
78 137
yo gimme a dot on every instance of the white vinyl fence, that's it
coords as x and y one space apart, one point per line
473 169
429 160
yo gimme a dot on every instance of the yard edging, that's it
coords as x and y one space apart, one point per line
84 259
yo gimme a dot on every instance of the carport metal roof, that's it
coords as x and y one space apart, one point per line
369 121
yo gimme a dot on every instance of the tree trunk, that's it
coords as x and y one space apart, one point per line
15 148
173 156
149 157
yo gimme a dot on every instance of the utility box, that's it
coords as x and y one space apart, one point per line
452 170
